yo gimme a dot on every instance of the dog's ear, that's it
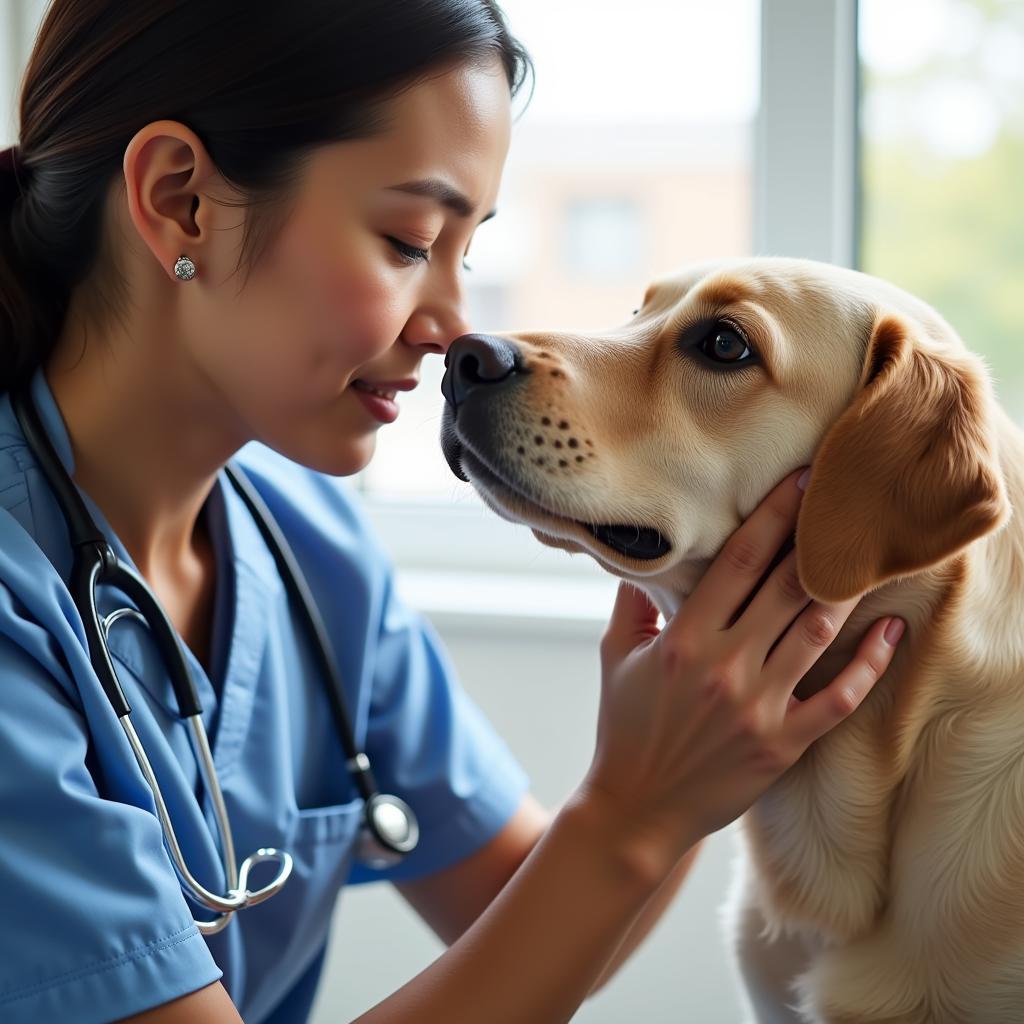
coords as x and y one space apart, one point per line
907 476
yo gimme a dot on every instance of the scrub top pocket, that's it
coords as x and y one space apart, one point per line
338 823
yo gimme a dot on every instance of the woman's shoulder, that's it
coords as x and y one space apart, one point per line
37 615
23 538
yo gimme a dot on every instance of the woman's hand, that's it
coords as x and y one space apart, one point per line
697 720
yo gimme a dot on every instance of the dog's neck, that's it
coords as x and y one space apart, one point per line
980 588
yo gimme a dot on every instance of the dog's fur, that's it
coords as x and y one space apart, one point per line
884 872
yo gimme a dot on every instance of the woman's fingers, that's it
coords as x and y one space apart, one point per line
775 605
803 642
744 559
809 720
634 619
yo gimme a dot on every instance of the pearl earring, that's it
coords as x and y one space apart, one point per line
184 269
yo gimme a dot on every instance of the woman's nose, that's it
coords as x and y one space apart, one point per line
434 328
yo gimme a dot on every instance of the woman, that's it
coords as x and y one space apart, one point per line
230 223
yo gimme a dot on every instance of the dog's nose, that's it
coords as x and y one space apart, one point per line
475 361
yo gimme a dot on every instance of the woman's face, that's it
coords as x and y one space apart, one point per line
364 279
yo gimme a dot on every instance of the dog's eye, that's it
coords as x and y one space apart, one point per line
725 344
635 311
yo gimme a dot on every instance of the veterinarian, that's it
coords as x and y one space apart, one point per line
228 223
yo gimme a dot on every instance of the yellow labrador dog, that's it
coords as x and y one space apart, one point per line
884 872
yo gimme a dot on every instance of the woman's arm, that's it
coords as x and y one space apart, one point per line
210 1005
649 916
537 951
452 899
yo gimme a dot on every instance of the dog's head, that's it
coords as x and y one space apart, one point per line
647 445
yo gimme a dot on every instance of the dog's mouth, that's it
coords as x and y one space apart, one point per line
634 542
643 543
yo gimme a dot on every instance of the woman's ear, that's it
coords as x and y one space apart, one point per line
907 476
166 169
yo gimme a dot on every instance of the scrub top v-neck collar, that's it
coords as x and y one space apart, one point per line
244 587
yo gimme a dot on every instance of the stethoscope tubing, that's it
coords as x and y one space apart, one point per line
358 764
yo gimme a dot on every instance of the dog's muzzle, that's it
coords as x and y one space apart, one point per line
479 367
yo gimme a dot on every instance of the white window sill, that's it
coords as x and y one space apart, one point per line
443 537
534 604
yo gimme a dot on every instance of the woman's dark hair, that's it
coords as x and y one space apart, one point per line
260 82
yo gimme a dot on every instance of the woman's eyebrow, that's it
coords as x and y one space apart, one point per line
443 193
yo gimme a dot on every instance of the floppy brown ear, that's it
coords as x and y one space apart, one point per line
907 476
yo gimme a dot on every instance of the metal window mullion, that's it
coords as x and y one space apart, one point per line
806 144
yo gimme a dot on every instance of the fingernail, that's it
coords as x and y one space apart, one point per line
804 477
894 631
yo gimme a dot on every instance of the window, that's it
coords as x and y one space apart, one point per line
943 163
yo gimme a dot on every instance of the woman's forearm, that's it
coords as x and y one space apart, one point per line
648 917
537 951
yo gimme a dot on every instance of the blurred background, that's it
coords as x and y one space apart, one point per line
887 135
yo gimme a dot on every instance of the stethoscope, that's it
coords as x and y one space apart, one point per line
389 830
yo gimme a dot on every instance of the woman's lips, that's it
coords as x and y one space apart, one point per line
378 401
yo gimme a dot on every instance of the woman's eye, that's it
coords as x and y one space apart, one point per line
409 253
725 344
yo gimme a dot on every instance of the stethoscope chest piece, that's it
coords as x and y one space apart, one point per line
390 831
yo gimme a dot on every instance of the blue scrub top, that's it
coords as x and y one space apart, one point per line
93 923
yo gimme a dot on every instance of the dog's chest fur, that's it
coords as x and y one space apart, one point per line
814 837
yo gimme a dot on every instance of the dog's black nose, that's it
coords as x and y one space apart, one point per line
474 361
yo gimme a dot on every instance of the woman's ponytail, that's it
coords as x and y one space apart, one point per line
32 306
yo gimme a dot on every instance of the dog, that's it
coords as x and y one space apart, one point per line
883 874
